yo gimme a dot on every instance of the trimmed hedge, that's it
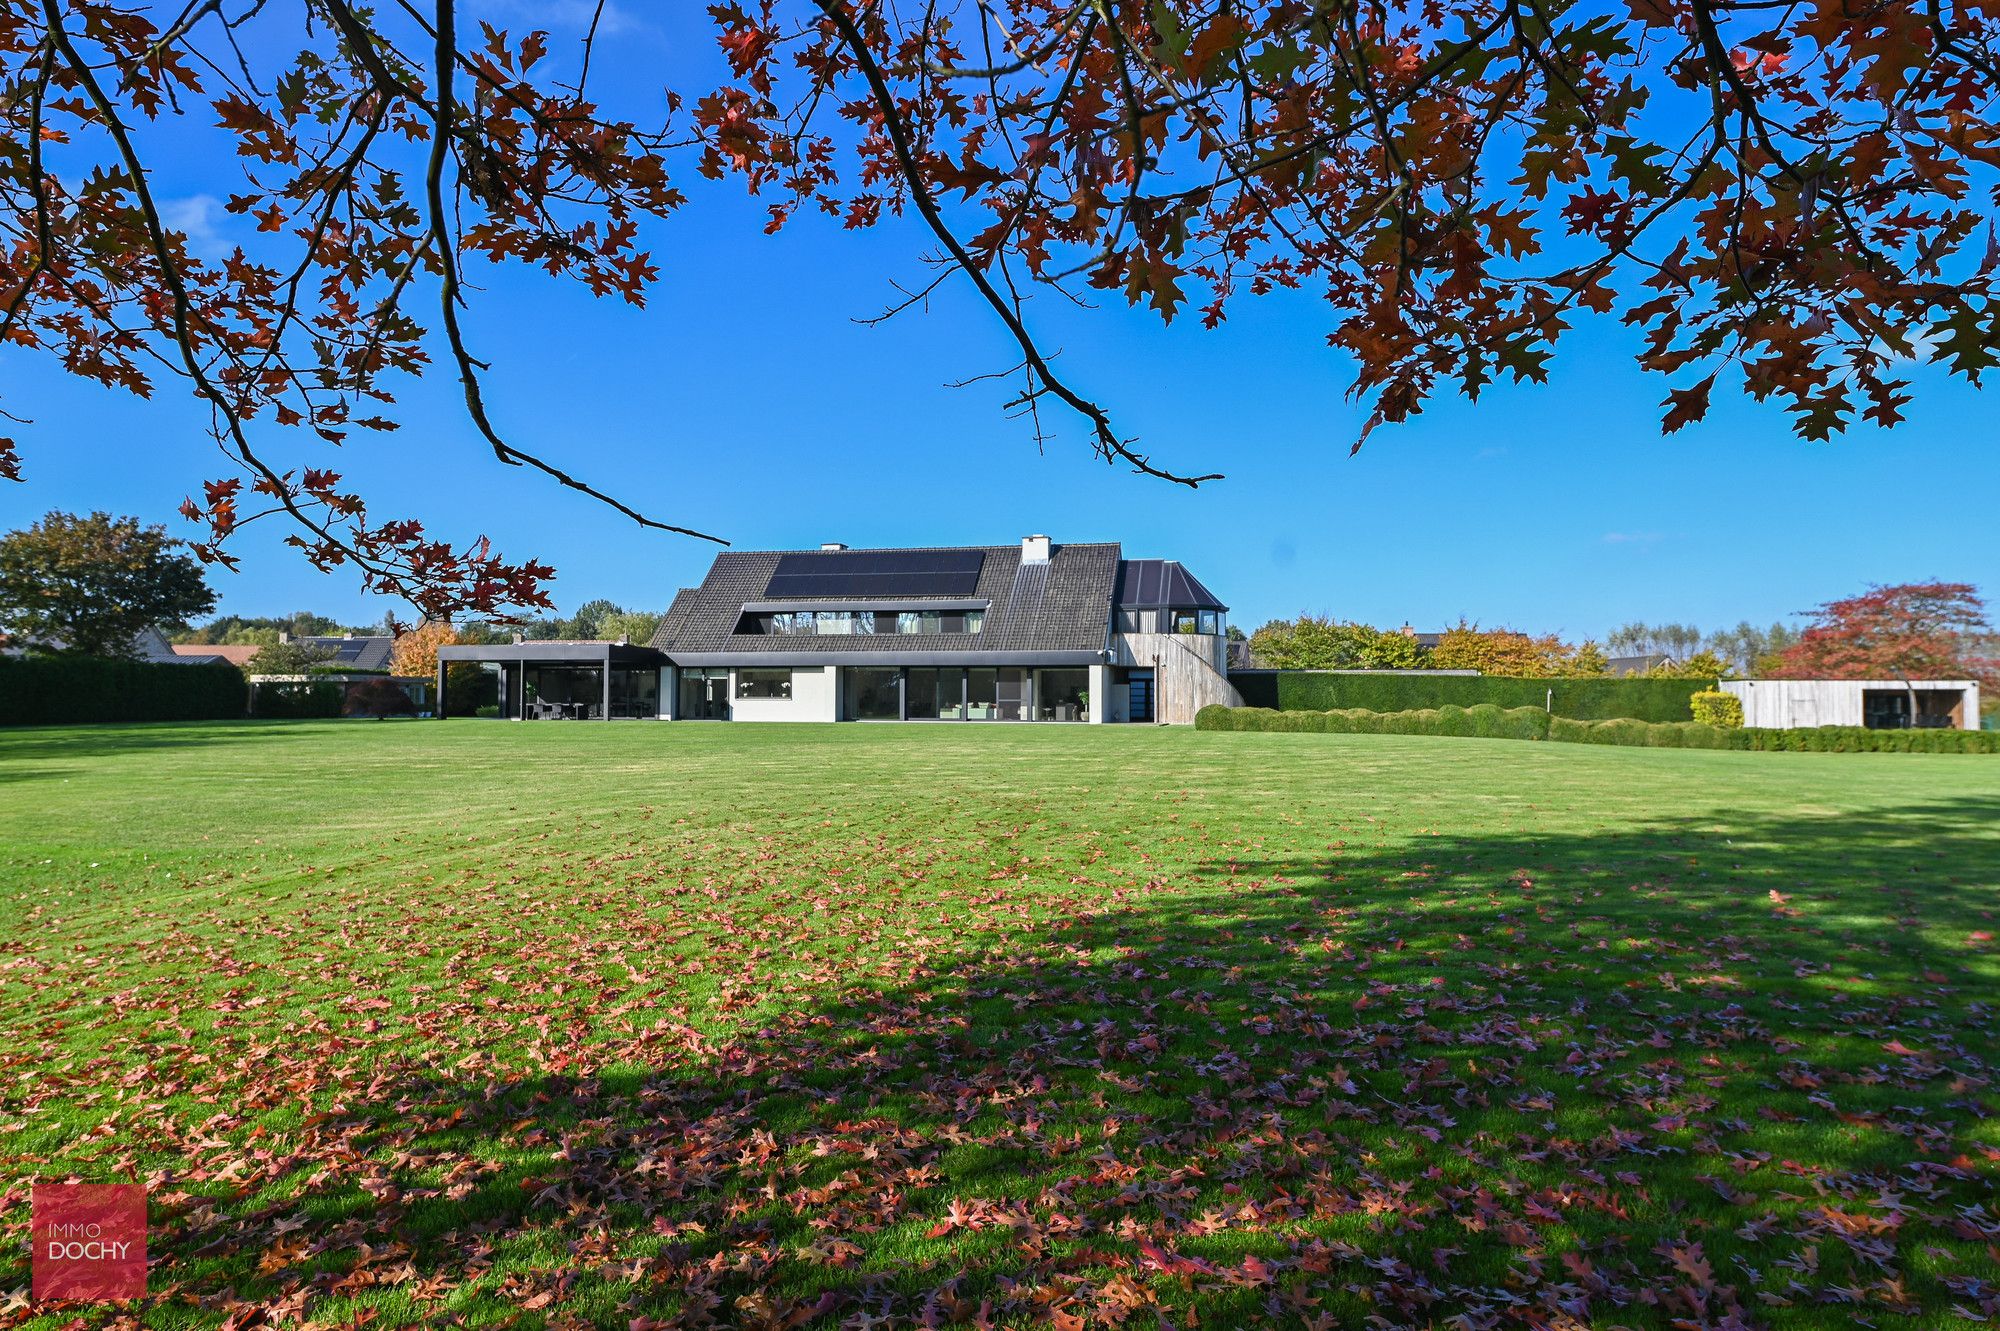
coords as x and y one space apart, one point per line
1481 721
1533 723
1584 699
300 701
73 690
1858 739
1648 734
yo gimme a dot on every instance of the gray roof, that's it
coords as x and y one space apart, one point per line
1055 613
590 652
1162 584
1637 665
356 653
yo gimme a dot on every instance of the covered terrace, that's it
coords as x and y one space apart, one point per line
565 681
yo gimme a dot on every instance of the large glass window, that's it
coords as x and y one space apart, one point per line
1014 694
704 695
838 623
874 693
635 693
763 683
572 693
979 690
935 693
1062 695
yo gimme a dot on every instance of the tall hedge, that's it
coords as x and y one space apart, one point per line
67 690
1532 723
1578 699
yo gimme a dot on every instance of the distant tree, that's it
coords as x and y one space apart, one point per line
1588 661
237 630
1640 639
587 621
632 625
416 652
92 585
1320 642
1908 631
1746 645
288 658
1703 664
478 632
1500 652
1310 642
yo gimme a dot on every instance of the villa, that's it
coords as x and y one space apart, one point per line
1034 632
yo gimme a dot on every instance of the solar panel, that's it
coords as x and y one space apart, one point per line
864 573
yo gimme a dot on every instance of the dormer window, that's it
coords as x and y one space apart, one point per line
847 623
1194 621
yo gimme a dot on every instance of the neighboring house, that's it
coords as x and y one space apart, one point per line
1426 641
1879 704
1622 666
366 654
1029 632
235 654
363 652
149 644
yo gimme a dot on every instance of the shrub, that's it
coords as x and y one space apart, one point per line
70 690
1584 699
491 711
297 701
1713 707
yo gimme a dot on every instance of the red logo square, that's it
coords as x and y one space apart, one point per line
90 1241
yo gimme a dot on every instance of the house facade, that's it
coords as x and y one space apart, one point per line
1031 632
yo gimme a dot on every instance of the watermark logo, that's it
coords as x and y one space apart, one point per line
90 1241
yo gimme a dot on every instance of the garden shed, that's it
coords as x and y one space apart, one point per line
1879 704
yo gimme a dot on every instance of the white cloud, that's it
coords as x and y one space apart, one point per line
572 16
194 217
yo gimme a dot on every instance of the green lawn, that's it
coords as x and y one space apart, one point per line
640 1025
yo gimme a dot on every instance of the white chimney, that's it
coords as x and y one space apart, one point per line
1034 550
831 545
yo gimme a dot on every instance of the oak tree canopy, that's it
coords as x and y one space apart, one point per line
1785 198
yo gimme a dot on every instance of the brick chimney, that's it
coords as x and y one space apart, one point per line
1034 550
831 545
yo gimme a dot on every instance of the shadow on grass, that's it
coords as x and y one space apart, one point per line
33 744
1690 1074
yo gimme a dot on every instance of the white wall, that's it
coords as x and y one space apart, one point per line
1100 694
815 697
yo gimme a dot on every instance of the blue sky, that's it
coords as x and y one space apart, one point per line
747 401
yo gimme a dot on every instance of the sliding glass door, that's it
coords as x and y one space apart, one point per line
874 693
935 694
1015 694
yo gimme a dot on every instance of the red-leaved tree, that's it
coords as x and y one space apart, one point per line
1791 200
1910 631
